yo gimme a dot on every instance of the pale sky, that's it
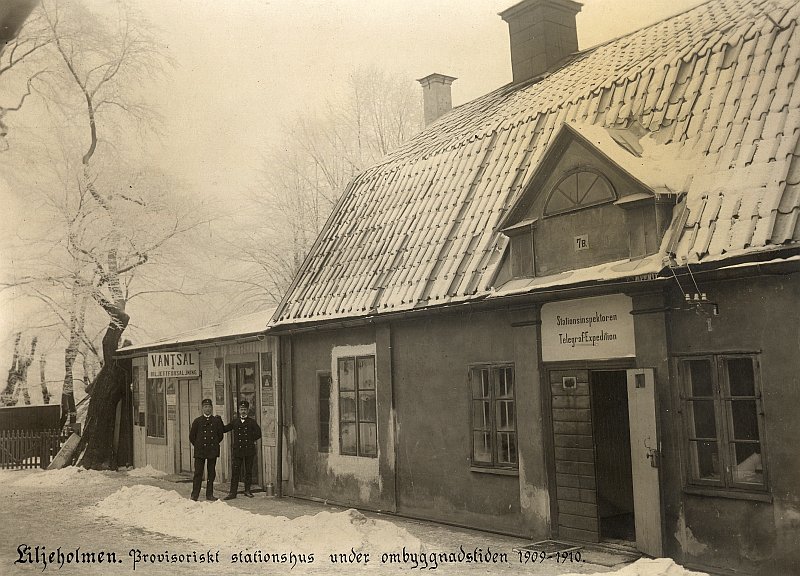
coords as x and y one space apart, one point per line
243 66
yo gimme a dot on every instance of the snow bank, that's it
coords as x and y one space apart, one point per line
648 567
146 472
66 475
219 525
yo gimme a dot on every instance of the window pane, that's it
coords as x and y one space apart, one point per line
506 448
745 420
482 447
366 406
346 374
505 415
368 440
481 415
348 435
705 460
562 199
703 421
480 383
748 467
701 382
155 408
366 373
740 376
347 407
248 377
247 386
504 378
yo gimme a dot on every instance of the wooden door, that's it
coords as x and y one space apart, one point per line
576 488
645 459
189 408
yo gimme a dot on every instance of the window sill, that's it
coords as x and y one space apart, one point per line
727 493
155 440
495 471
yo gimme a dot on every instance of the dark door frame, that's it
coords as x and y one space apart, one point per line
547 417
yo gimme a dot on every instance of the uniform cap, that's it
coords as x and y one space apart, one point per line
244 404
206 402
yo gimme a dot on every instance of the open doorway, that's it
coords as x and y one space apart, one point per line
243 386
613 472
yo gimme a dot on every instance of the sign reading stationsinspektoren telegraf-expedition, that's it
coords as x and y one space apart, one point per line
588 329
183 364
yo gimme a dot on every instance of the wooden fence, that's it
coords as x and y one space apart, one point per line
29 448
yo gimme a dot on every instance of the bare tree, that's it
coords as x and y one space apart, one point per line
17 380
103 59
304 176
21 41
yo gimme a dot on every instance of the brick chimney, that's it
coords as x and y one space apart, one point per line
543 34
436 96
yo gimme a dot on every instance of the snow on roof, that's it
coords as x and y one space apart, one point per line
714 87
644 267
243 325
659 167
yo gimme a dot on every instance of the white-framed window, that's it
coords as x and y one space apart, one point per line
494 416
358 423
723 421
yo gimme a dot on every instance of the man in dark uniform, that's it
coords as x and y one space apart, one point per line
246 432
206 433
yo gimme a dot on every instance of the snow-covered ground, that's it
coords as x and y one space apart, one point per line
220 525
146 472
649 567
58 478
138 510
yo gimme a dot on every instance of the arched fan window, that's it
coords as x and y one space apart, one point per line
579 189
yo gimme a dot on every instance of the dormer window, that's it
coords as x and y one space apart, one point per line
589 202
579 189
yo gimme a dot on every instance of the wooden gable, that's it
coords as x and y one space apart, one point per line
581 209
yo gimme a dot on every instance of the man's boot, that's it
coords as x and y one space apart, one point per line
230 496
248 493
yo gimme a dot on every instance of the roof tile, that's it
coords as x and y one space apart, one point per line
717 83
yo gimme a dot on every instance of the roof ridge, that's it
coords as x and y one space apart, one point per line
681 78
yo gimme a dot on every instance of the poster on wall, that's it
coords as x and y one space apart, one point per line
596 328
268 426
171 396
267 389
219 383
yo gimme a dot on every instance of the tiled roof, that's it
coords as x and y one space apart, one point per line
715 86
253 323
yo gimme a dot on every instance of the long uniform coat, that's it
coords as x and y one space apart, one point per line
205 435
245 435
